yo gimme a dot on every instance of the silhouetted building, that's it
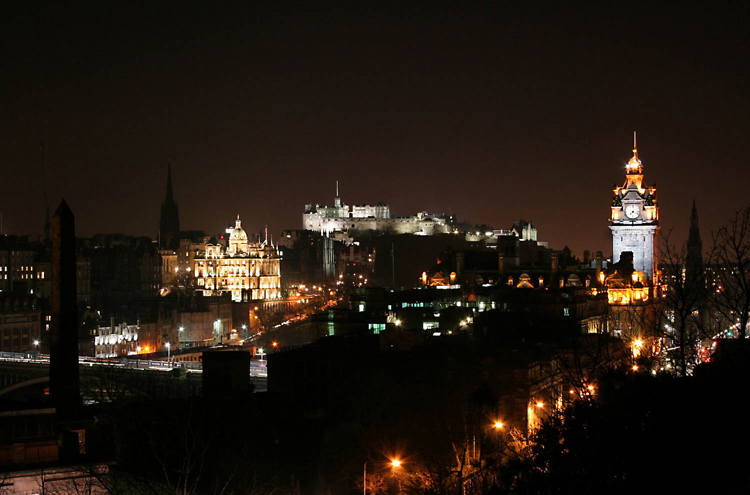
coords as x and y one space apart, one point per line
20 323
169 221
694 267
17 257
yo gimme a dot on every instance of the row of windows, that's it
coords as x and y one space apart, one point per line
16 331
23 268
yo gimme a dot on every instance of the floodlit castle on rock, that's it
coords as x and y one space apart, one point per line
343 218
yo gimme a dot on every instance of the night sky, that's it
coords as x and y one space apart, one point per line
490 113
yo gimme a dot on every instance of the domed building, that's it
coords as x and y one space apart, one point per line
237 239
250 271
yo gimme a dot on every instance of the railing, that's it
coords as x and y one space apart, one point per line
257 367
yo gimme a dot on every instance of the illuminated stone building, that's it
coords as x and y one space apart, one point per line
177 264
249 271
634 220
343 218
633 281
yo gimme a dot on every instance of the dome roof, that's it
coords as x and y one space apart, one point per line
238 233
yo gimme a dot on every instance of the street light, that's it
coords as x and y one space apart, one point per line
168 345
498 425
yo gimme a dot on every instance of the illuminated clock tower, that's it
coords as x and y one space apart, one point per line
635 219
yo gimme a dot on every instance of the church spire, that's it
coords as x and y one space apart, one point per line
694 243
170 195
694 266
169 222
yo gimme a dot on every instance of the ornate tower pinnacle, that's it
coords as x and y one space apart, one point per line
634 165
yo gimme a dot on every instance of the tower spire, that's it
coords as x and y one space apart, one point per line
337 199
694 267
169 222
170 194
634 165
47 222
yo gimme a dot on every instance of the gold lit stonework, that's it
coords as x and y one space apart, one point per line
252 268
634 217
632 281
634 165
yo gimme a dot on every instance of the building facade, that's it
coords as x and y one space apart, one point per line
20 323
634 220
249 271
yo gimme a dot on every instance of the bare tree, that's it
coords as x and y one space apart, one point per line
74 480
685 295
730 260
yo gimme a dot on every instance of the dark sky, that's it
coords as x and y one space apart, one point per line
490 113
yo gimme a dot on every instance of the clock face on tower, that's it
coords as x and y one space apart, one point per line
632 211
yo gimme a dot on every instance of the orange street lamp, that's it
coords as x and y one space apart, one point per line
395 463
498 425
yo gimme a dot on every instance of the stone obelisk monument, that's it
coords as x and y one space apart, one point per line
63 373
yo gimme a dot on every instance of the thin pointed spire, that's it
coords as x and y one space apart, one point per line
170 195
47 221
694 216
694 260
169 221
634 164
337 189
